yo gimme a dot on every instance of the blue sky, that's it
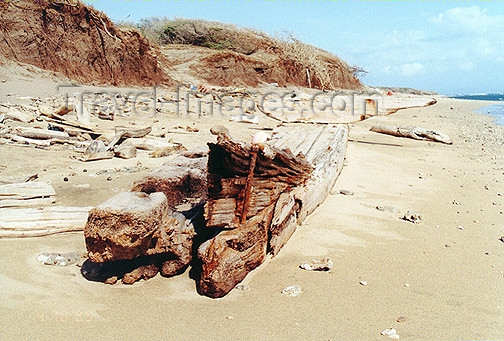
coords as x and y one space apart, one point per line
446 46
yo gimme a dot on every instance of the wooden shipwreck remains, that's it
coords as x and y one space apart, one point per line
258 194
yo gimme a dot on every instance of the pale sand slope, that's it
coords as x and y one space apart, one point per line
454 292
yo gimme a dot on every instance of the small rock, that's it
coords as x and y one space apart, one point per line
109 178
412 217
447 245
97 146
390 332
60 259
229 317
460 227
242 287
387 209
125 152
111 280
455 202
346 192
401 319
324 264
501 239
292 291
83 186
406 285
218 130
363 283
65 179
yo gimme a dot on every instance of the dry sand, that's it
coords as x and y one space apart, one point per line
446 282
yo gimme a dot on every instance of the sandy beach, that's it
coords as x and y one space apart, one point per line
441 279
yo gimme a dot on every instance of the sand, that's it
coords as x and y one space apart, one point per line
445 282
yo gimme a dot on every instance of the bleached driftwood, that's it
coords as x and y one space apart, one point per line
260 193
35 222
25 140
123 133
16 115
41 134
26 194
150 144
412 132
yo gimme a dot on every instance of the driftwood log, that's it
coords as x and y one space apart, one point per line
137 234
259 194
412 132
26 194
35 222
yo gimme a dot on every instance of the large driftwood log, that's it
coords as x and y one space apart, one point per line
412 132
262 192
26 194
34 222
140 229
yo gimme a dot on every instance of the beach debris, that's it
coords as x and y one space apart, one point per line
363 283
59 259
19 179
406 285
460 227
125 152
96 156
412 132
253 119
412 217
218 130
384 208
183 179
111 280
41 134
41 221
346 192
259 193
166 151
229 317
401 319
391 333
455 202
242 287
292 291
324 264
134 233
97 146
142 272
144 218
260 137
24 194
501 239
14 114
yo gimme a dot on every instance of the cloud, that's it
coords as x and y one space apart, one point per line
411 69
471 19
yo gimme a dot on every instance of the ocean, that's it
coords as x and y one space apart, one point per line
495 110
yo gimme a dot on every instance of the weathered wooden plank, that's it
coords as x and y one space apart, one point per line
232 254
34 222
25 140
42 134
26 194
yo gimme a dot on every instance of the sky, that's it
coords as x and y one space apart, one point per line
452 47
